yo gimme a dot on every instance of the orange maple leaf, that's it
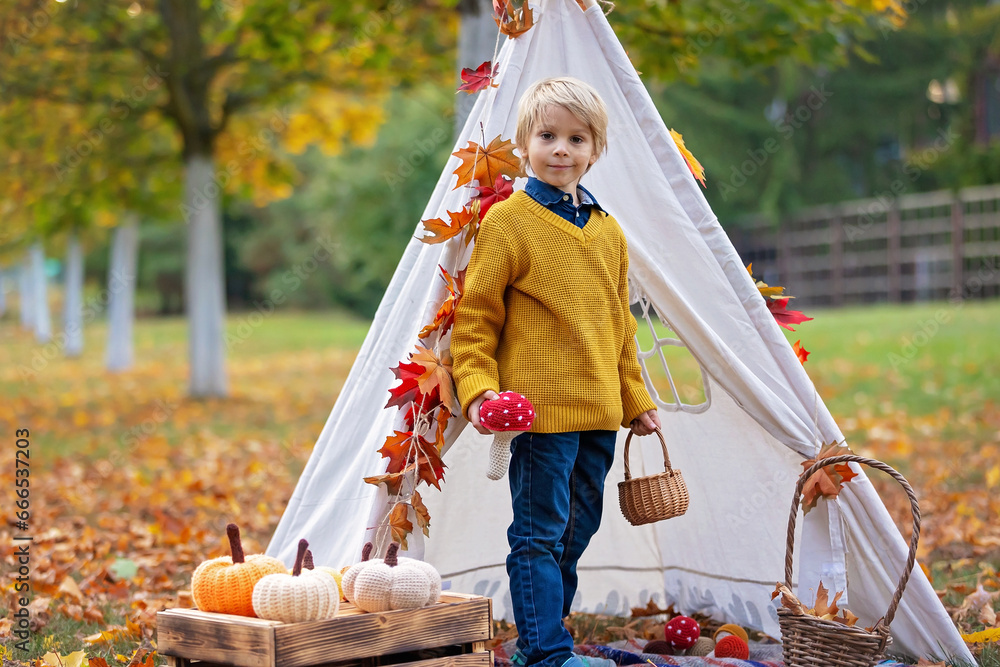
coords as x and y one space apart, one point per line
398 449
800 352
437 373
693 165
445 316
399 525
393 481
823 606
440 231
519 22
420 510
485 164
442 424
788 599
827 481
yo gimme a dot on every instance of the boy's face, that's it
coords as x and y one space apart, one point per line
560 149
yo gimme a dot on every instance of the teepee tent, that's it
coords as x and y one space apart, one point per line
740 449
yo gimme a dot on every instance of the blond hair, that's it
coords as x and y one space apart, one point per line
574 95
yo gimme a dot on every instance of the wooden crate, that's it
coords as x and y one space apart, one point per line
451 633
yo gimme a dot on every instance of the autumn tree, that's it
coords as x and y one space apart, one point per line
232 83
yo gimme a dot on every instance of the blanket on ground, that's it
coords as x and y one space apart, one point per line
629 652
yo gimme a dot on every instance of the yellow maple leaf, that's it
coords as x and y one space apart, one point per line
75 659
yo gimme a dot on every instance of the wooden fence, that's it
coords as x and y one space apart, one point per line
914 247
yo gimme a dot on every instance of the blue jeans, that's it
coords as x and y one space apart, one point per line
557 490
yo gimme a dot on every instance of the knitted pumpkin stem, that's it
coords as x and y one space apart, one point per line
235 546
299 557
366 551
391 559
307 560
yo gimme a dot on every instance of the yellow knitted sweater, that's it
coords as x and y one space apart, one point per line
545 313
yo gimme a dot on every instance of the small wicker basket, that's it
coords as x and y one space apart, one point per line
656 497
808 641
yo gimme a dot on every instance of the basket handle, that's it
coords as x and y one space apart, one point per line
666 457
914 510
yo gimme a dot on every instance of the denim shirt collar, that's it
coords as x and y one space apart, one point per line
547 195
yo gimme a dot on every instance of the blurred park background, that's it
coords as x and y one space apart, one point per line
202 202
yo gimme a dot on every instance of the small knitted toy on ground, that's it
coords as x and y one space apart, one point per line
682 632
507 416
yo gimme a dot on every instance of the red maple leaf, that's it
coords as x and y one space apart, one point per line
475 80
489 195
783 316
406 391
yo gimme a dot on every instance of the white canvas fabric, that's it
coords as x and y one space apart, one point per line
740 457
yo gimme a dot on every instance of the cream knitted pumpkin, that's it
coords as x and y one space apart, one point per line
347 581
337 575
391 584
299 596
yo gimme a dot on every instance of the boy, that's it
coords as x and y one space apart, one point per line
545 313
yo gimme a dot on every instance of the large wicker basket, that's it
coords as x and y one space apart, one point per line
808 641
653 498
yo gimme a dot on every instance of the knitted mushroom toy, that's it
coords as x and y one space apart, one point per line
507 416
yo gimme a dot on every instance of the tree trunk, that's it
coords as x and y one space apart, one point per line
121 293
205 293
40 301
25 294
477 38
73 303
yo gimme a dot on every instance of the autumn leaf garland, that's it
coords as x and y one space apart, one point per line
425 391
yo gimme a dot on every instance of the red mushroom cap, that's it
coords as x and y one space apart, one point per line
510 412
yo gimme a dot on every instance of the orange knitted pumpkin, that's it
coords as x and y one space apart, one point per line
225 584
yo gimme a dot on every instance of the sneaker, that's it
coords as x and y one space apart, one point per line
518 659
587 661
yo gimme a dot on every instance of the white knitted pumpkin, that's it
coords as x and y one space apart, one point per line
347 581
309 564
299 596
395 584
